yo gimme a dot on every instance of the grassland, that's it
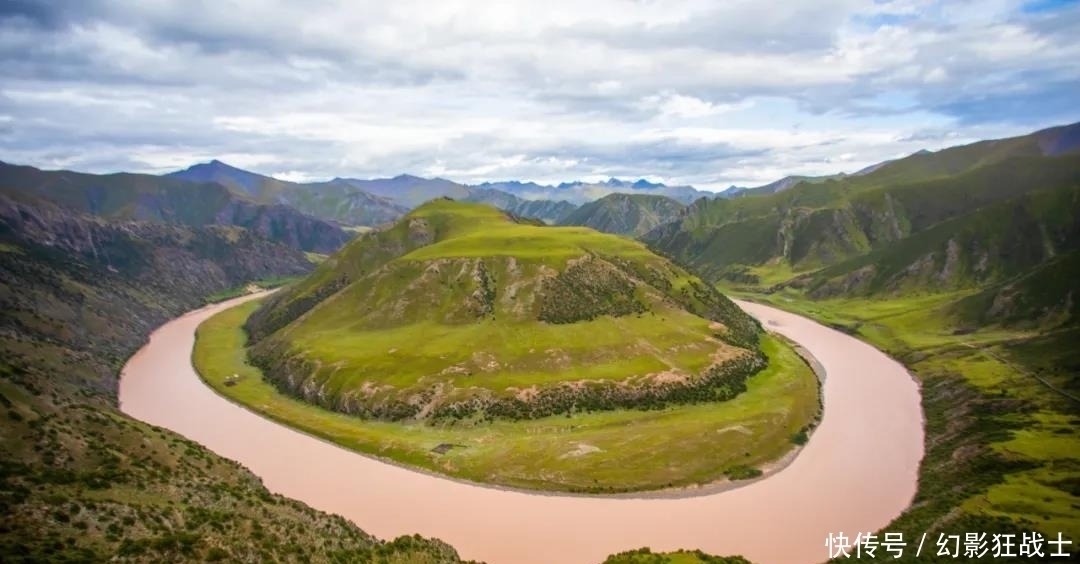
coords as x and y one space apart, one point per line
477 230
589 350
613 451
263 284
1003 441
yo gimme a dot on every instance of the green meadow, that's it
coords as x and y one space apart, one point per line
609 451
1003 435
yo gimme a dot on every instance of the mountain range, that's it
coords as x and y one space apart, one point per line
583 192
370 202
144 197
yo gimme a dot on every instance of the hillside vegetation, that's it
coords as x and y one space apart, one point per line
758 239
592 452
475 343
962 264
80 481
462 310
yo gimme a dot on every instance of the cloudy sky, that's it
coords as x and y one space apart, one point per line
701 92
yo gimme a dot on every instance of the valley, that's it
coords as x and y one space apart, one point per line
539 282
870 401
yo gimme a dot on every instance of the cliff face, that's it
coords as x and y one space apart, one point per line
100 286
144 197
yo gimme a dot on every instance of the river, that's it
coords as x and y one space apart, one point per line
858 471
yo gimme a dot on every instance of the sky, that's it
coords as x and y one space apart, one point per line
698 92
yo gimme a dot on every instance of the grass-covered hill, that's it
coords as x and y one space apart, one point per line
145 197
626 214
461 309
80 481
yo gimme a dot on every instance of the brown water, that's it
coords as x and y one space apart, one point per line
856 474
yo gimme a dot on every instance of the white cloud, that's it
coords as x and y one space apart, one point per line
691 91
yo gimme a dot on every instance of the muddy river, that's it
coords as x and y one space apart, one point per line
857 472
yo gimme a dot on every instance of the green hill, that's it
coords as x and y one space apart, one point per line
625 214
988 246
461 309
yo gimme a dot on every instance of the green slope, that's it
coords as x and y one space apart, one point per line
991 245
815 225
460 309
625 214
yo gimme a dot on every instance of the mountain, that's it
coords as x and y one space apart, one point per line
538 311
339 201
815 225
371 202
583 192
781 185
547 210
240 181
1027 236
407 190
81 481
144 197
626 214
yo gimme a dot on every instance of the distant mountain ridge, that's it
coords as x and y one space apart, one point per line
626 214
579 192
548 211
144 197
337 200
370 202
